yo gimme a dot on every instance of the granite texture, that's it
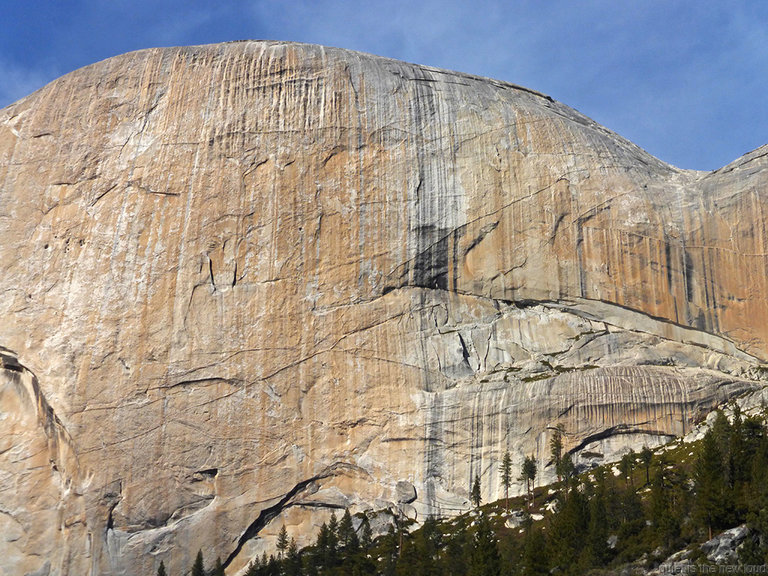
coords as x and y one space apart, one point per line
247 284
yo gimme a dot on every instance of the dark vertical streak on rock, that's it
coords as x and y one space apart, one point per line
456 259
57 435
210 272
688 272
434 439
580 258
429 268
464 351
668 261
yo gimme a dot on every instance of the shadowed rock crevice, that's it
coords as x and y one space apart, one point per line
62 452
270 513
45 510
616 431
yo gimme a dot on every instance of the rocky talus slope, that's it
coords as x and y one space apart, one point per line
246 284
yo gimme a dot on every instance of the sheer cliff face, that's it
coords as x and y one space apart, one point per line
244 284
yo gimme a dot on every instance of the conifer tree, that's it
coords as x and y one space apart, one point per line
347 536
427 543
198 568
218 568
529 475
666 502
309 564
506 476
567 531
333 540
750 552
556 448
742 454
254 567
389 549
292 560
534 559
475 495
272 566
327 543
709 476
756 551
510 553
333 524
627 466
597 537
456 556
753 433
646 457
566 471
282 542
366 534
407 559
484 557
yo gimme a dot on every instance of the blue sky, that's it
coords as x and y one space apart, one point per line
686 80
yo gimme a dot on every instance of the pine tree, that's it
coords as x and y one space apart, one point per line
161 569
646 457
529 475
347 535
566 471
506 475
534 560
332 556
292 560
389 550
667 505
709 476
742 452
327 543
556 448
272 566
427 543
484 557
333 525
627 466
218 568
753 433
407 558
750 552
568 530
456 556
366 534
198 568
756 551
254 567
282 542
597 549
309 563
510 553
475 495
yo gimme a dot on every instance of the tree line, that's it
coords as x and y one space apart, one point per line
648 505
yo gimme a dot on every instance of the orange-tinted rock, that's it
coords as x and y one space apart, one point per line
256 279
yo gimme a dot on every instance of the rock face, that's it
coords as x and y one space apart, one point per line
246 284
722 550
